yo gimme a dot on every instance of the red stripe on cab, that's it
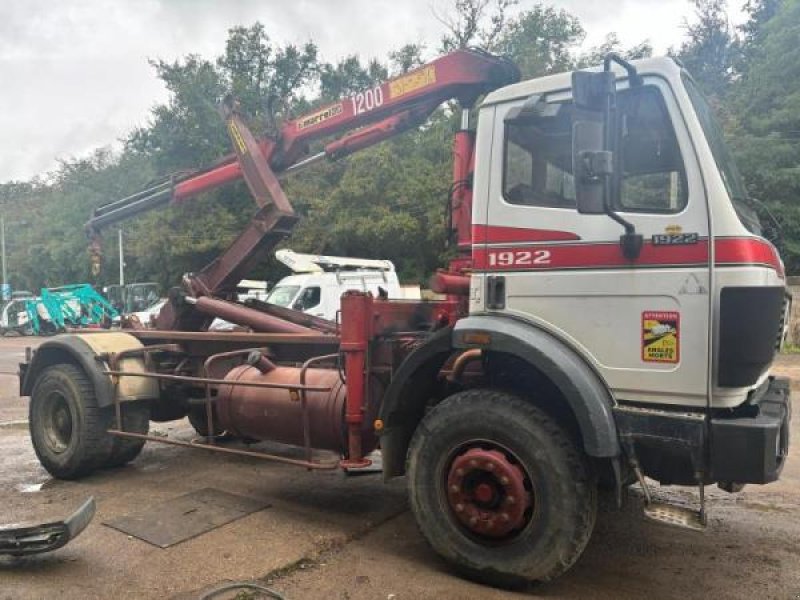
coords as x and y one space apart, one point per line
491 234
728 252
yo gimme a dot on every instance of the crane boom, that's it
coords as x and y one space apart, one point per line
364 119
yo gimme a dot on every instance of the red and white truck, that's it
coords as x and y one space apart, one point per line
611 315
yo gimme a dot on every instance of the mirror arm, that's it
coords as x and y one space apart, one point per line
633 75
630 241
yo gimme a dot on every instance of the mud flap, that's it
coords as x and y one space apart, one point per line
35 539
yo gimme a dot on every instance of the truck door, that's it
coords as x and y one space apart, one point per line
642 323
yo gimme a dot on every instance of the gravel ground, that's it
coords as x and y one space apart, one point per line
331 537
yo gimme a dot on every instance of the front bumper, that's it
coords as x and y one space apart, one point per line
746 445
753 449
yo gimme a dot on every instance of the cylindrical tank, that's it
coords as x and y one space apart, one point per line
272 414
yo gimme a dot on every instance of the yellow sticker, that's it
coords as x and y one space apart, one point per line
673 229
321 115
661 336
412 82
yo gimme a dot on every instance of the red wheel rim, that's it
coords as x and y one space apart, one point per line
488 491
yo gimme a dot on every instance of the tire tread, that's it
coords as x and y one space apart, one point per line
577 470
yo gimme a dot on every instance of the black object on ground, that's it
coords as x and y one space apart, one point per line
35 539
186 517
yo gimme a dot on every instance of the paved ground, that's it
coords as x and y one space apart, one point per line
331 537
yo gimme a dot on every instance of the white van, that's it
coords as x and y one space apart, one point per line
319 282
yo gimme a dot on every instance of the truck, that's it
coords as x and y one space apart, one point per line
608 316
319 281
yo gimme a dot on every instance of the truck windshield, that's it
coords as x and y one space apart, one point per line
283 295
723 158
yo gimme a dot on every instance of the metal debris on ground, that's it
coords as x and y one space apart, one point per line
20 540
228 587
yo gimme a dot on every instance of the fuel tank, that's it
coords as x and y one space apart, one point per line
276 415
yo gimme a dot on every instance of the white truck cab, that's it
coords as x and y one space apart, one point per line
609 215
319 281
564 271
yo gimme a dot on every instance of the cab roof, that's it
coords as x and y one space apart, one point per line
662 65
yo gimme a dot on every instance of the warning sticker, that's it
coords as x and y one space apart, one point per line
412 82
661 336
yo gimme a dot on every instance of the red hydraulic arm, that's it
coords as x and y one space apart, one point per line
463 75
370 117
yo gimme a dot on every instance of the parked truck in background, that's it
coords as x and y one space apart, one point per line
610 314
320 281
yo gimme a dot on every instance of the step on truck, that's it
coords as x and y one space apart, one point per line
610 315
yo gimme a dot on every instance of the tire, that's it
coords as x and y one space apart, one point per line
68 428
448 467
135 419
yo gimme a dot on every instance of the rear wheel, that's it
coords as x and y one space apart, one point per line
68 428
499 489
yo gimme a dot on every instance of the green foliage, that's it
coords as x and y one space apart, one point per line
766 104
348 76
710 51
612 43
406 58
539 40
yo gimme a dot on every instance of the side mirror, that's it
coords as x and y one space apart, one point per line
591 165
592 157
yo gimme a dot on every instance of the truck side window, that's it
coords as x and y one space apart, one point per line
538 157
538 161
653 178
309 298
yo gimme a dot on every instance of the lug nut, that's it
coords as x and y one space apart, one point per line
473 463
473 521
490 467
455 489
460 472
510 500
504 480
459 507
504 517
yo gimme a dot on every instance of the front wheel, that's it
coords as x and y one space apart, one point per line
499 489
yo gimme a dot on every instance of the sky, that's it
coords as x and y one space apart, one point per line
75 73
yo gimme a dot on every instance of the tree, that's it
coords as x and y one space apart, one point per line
595 56
766 105
349 76
474 23
540 40
266 79
406 58
188 132
711 49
